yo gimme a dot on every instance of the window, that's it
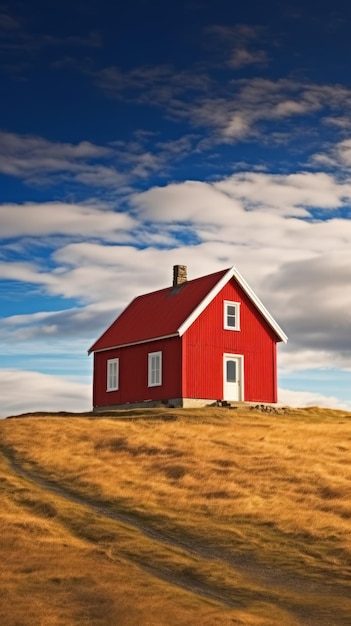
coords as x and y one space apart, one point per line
154 369
231 315
231 371
112 374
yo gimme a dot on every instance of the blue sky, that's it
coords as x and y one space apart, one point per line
138 136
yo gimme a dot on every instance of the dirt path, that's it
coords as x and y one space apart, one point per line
262 574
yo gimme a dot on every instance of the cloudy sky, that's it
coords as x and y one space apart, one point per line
138 135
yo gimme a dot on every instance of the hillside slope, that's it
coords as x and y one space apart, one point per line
211 516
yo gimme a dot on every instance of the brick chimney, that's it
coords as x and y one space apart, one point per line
179 275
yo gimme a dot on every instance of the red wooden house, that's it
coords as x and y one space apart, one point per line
190 344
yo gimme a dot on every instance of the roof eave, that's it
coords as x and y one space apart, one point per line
134 343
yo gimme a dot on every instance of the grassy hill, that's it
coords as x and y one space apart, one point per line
176 517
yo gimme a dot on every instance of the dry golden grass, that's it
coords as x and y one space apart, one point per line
256 509
60 566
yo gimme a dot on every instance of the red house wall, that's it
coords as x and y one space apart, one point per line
206 340
133 373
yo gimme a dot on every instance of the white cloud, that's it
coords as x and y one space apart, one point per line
60 218
25 154
80 323
26 391
39 161
237 109
297 357
217 203
119 273
342 153
336 155
242 56
102 176
265 100
191 201
237 126
291 107
287 193
342 122
315 299
309 398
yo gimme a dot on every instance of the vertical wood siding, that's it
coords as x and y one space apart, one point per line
206 340
133 373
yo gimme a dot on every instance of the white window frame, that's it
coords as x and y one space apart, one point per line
154 370
236 305
112 371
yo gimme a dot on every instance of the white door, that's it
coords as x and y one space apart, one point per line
232 377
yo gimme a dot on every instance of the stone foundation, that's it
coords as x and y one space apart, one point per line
173 403
186 403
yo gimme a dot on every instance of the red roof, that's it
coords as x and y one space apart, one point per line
171 311
157 314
